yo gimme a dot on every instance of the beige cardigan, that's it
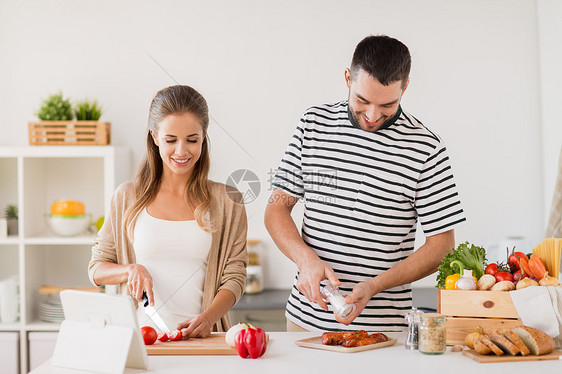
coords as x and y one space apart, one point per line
228 257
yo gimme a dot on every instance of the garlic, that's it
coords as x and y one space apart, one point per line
231 333
466 282
547 280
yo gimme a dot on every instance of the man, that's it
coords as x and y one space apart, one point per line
368 171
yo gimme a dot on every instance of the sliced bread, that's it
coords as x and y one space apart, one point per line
488 343
502 342
538 342
515 340
481 347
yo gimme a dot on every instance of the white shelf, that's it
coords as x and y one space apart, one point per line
11 326
33 178
60 240
11 240
42 326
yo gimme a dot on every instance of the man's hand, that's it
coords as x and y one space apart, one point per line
311 272
360 296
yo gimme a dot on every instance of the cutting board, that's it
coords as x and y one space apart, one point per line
554 355
213 345
316 343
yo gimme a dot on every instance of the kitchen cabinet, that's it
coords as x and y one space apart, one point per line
33 177
9 347
265 309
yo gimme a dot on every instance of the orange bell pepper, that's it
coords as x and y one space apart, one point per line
537 266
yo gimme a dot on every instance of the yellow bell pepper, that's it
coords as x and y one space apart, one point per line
451 280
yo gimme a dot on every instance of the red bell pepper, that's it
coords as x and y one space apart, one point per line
250 343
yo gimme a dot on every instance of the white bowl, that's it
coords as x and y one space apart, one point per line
68 225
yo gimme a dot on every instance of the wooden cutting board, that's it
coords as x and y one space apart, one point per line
213 345
554 355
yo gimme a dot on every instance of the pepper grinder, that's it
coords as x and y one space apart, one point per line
413 319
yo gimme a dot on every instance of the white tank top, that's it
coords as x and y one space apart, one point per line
175 254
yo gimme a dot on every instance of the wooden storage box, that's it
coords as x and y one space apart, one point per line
69 133
466 309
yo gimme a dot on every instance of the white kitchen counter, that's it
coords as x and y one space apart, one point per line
284 356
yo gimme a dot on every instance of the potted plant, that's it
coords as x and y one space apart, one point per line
87 110
11 215
55 108
57 128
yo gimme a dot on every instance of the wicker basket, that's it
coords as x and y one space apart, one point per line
69 133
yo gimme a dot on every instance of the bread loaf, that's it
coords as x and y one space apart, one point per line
505 345
515 340
538 342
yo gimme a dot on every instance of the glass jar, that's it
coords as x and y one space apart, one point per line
432 334
254 277
333 296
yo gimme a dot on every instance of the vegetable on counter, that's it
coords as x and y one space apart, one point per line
231 333
149 335
251 342
466 255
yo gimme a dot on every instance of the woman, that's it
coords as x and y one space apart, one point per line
172 233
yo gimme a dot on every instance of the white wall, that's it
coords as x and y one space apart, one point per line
260 64
550 52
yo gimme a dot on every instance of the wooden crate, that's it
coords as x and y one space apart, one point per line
466 309
69 133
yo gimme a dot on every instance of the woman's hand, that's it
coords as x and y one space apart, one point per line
197 327
139 281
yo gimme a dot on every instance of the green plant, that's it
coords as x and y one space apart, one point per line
55 108
11 211
87 110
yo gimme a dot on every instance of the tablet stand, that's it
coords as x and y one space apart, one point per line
93 346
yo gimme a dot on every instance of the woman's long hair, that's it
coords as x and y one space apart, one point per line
172 100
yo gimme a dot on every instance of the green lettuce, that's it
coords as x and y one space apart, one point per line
470 256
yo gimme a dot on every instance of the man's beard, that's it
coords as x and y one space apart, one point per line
356 116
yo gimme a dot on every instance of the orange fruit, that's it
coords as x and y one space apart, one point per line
68 207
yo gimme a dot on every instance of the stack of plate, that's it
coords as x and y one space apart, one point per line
51 309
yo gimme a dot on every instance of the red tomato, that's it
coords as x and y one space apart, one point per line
492 269
521 255
514 261
149 335
163 337
504 276
175 335
514 257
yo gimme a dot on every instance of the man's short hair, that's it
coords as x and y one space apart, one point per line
384 58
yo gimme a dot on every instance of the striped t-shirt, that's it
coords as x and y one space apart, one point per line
364 193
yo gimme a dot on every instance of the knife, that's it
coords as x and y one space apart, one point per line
151 312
